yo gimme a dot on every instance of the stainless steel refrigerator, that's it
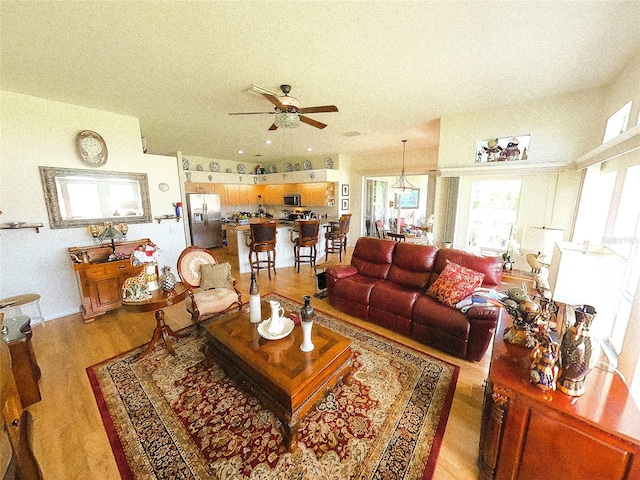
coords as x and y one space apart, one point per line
205 219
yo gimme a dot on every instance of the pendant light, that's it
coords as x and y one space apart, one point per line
402 184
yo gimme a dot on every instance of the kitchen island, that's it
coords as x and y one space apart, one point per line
238 239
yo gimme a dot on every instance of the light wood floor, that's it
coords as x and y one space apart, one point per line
70 441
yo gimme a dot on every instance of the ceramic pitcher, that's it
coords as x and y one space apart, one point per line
277 313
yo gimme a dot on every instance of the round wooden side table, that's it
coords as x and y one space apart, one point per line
158 301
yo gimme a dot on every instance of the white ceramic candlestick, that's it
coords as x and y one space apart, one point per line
151 270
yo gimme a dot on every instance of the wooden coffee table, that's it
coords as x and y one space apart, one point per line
287 380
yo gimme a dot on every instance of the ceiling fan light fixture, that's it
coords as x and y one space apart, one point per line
402 184
287 120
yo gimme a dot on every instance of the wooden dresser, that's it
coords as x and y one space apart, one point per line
528 434
100 280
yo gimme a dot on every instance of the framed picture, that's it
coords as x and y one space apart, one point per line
504 149
410 199
345 189
345 203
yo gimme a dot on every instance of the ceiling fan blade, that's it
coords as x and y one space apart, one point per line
275 100
253 113
273 127
312 122
326 108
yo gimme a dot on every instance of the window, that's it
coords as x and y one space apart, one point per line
617 123
494 212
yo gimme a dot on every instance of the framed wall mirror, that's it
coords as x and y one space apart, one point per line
78 198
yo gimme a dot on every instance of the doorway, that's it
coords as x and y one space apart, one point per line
375 204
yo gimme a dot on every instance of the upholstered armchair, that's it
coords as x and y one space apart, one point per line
212 289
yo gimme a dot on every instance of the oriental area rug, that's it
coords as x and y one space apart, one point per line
182 418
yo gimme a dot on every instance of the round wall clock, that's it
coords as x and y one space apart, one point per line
91 148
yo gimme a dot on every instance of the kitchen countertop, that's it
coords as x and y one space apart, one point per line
281 224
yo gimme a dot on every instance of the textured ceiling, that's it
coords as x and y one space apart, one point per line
392 68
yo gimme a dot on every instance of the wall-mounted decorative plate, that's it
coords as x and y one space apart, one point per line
288 167
214 166
328 162
272 169
185 164
163 187
241 168
307 165
92 148
199 168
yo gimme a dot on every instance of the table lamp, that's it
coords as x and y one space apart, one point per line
542 241
110 233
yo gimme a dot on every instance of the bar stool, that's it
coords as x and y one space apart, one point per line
346 230
307 231
263 239
334 238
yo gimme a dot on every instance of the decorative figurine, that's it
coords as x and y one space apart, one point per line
575 352
543 370
492 149
512 151
167 279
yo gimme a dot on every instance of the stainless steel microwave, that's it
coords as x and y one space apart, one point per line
292 200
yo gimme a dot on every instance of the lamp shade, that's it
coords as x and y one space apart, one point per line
110 233
541 239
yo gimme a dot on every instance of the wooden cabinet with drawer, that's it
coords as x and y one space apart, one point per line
530 434
100 280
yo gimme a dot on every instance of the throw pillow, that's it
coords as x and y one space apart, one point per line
215 275
455 283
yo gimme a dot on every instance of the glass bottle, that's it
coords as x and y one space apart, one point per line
306 317
255 309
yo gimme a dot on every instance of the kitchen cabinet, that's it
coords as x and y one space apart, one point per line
199 187
529 434
274 194
233 194
218 188
291 189
313 194
319 195
245 195
100 281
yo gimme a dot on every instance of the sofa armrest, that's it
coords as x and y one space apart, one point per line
483 312
341 271
483 321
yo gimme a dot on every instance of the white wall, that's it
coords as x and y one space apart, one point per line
561 129
39 132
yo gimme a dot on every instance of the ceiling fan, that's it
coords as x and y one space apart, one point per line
287 110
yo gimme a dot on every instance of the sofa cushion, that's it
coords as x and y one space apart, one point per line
372 256
439 317
393 298
454 283
412 265
490 266
357 288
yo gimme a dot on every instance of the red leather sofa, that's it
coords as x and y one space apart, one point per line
386 283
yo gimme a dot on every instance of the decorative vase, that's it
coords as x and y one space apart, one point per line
276 324
255 309
306 317
575 352
151 269
167 279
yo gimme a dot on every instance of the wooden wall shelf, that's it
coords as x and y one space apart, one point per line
167 217
9 226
